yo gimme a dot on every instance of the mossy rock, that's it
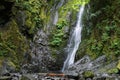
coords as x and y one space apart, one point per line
113 71
88 74
25 22
24 78
118 65
1 61
12 43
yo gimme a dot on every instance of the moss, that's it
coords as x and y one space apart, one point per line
13 42
25 78
88 74
32 15
29 23
103 37
118 65
113 71
11 64
43 14
57 36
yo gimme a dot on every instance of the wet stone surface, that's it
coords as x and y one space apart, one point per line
55 76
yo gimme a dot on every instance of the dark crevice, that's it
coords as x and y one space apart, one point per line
5 11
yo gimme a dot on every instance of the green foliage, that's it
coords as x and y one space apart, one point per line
17 1
106 44
74 4
118 65
3 52
115 46
95 48
104 38
33 6
12 43
58 35
61 24
35 13
113 71
56 41
92 15
88 74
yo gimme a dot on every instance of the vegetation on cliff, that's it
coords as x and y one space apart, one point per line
103 36
21 19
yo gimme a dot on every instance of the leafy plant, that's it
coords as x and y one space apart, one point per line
3 51
74 4
105 37
58 35
61 24
34 12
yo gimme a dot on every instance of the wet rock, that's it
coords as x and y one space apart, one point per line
80 66
97 69
99 65
71 73
7 67
106 78
29 77
88 74
24 78
15 76
5 78
40 55
99 78
88 79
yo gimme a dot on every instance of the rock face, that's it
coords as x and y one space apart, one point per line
45 76
24 22
40 54
89 68
18 26
31 22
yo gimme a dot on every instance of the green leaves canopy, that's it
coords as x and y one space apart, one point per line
74 4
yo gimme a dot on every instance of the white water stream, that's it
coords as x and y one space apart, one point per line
75 40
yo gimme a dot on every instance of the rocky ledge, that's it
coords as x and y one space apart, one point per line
56 76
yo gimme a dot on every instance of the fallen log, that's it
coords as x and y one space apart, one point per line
56 75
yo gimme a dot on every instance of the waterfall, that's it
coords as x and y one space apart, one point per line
54 15
75 40
55 20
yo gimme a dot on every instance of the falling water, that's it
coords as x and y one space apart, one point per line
54 15
55 20
75 40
